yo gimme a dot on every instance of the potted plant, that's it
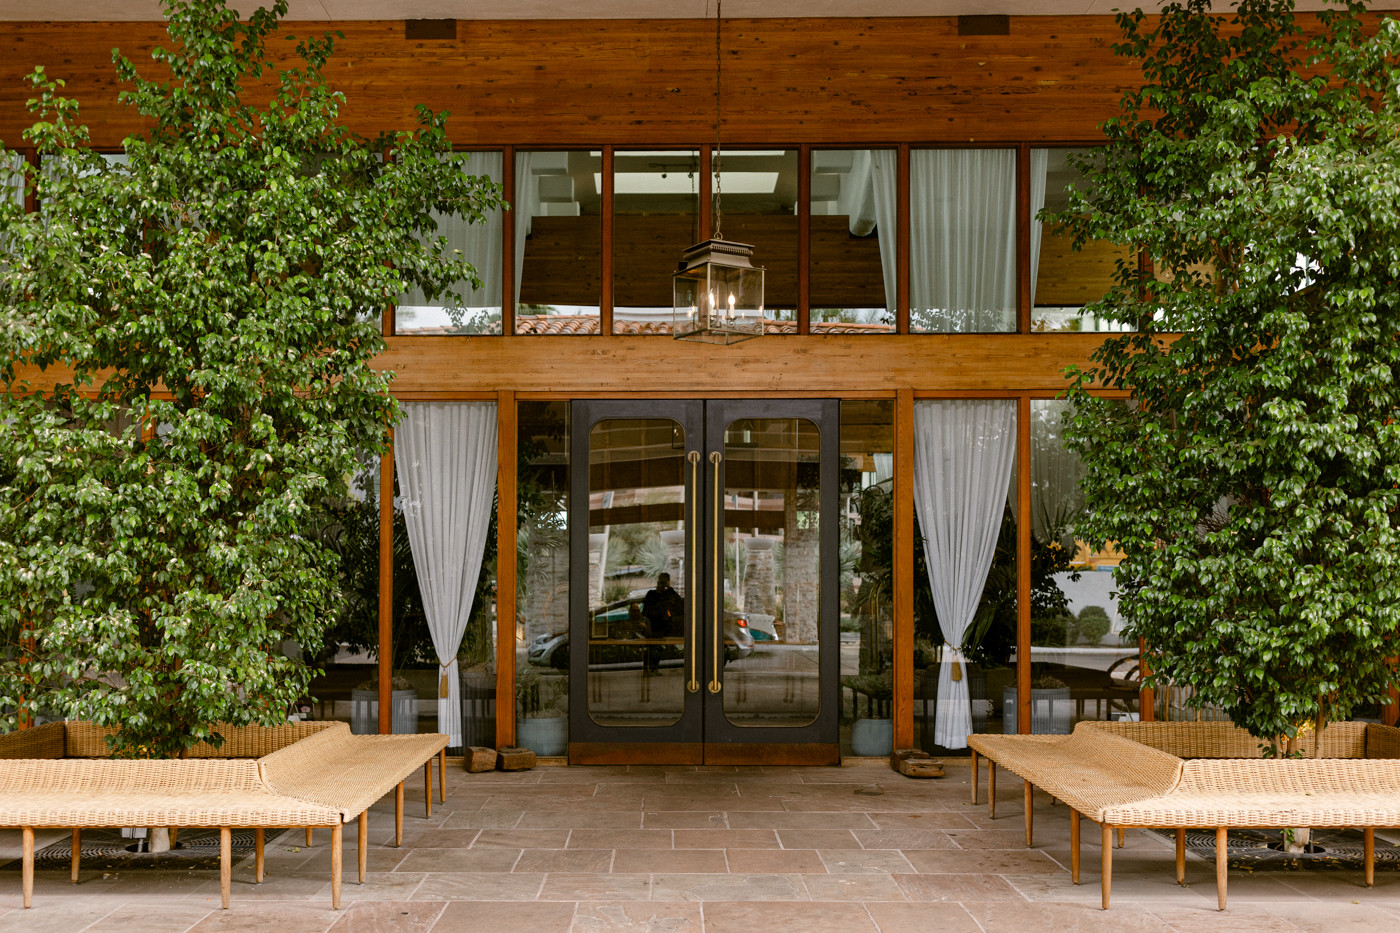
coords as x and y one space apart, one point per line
872 735
542 725
1051 707
403 707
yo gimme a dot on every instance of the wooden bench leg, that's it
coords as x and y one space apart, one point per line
442 775
974 779
337 833
259 854
225 864
1107 870
1180 856
362 852
398 814
991 789
1074 846
1030 804
77 852
27 868
174 833
428 789
1121 834
1369 834
1222 863
308 837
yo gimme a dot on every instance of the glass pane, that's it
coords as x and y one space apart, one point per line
854 243
542 575
656 214
1074 603
1064 280
772 573
12 179
962 240
464 310
867 562
636 583
757 204
558 241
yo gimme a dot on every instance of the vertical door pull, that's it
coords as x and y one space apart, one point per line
717 572
692 588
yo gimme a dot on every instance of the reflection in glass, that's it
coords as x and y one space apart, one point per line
542 575
636 580
854 244
962 252
758 206
771 546
12 179
558 241
867 561
463 310
1074 602
1063 280
656 213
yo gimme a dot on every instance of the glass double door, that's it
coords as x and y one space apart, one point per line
704 569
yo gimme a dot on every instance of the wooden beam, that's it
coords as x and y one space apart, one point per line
904 569
386 585
507 493
1023 565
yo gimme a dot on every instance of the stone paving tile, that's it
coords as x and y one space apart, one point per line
728 888
624 839
904 839
853 886
685 819
725 839
572 860
818 839
522 838
482 819
671 860
920 819
388 917
570 886
574 819
480 886
865 861
476 916
771 861
454 860
1348 916
645 916
765 819
961 888
894 917
63 915
1001 917
809 918
995 862
271 918
170 918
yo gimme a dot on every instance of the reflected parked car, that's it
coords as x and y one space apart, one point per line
614 625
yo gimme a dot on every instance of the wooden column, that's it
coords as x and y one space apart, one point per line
605 298
506 497
904 568
386 585
1023 564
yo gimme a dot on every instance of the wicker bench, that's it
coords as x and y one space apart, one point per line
1134 774
305 774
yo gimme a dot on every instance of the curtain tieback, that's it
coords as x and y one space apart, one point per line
957 658
444 687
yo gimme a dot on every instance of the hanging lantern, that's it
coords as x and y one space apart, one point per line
718 294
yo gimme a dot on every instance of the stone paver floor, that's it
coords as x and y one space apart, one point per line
810 850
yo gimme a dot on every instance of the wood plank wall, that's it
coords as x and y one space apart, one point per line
639 82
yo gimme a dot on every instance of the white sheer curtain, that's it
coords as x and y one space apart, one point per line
884 197
1040 167
480 244
963 453
962 229
445 454
525 206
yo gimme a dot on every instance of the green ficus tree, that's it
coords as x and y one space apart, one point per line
1254 485
186 336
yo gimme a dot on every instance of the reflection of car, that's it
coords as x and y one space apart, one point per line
614 625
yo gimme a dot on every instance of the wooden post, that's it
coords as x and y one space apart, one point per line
991 789
442 775
427 790
1074 845
904 569
308 837
506 503
1030 803
398 814
259 854
386 586
362 845
225 864
1369 835
1180 855
337 834
1106 882
1023 565
27 866
77 852
1222 864
974 778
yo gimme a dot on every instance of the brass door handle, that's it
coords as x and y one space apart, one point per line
693 574
717 533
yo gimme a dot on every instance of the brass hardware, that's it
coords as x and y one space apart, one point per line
718 575
693 586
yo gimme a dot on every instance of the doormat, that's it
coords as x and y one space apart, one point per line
1260 850
106 850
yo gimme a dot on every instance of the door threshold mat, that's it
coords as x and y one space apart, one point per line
107 850
1259 850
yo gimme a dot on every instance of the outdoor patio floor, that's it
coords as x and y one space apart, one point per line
849 849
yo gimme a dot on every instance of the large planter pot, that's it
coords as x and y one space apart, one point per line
546 737
1052 711
364 712
872 738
